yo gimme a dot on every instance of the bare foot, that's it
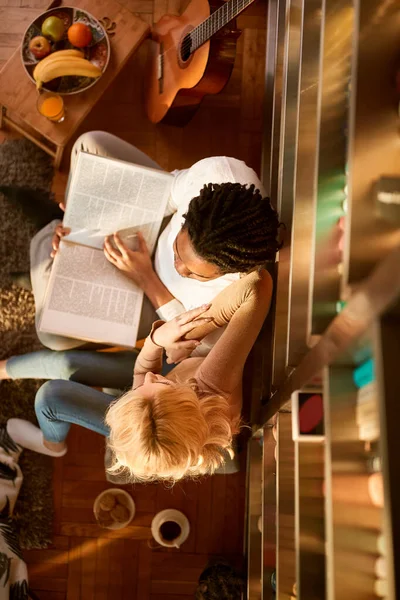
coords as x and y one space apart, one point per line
54 446
3 372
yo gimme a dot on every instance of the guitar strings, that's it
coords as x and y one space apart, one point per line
186 46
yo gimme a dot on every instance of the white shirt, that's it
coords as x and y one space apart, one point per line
190 293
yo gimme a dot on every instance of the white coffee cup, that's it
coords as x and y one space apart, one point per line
170 528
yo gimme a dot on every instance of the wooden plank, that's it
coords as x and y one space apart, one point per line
252 80
74 572
169 597
46 595
84 473
33 557
51 584
179 588
85 489
144 572
58 469
115 584
234 510
102 569
216 540
138 6
48 569
88 574
204 511
144 496
86 516
165 559
130 563
93 530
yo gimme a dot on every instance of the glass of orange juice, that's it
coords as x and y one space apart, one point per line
51 106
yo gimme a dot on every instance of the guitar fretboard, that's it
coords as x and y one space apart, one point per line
218 19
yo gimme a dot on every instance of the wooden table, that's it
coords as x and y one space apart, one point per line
18 95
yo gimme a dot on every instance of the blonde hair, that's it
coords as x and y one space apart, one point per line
177 433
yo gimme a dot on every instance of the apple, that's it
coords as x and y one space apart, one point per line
53 28
39 46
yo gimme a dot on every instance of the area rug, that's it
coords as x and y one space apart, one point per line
24 165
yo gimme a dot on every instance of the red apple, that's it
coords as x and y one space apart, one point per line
39 46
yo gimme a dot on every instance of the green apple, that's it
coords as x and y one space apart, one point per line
53 28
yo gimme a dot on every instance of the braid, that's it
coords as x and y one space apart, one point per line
232 226
220 582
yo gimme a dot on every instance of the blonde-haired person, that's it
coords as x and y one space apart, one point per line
165 427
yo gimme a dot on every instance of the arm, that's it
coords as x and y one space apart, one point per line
157 293
170 310
149 359
163 335
245 304
137 265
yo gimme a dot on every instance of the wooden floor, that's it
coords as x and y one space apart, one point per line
85 563
88 563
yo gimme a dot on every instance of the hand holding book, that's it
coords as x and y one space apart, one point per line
135 264
59 232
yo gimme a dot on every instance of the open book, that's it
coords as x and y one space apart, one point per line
87 297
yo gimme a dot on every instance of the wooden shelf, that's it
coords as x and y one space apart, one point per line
310 520
282 166
285 508
353 523
254 514
373 136
333 111
332 156
269 513
305 187
386 347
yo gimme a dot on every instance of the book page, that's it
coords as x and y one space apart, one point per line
107 195
89 299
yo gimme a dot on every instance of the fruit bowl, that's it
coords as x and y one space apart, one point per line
97 52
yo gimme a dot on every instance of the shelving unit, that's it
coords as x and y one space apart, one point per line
332 131
285 513
310 520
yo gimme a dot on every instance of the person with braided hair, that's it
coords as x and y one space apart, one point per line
233 227
221 226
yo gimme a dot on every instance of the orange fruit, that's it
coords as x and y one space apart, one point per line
79 35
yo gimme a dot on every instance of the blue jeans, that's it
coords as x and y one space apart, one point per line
59 403
68 398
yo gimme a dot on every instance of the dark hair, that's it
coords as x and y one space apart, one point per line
233 227
220 581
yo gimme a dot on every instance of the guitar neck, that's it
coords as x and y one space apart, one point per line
216 21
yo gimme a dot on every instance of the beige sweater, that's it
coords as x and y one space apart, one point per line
243 307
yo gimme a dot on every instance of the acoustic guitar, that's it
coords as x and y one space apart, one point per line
192 55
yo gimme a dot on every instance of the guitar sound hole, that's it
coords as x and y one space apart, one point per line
186 47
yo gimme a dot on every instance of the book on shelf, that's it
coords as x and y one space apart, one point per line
87 297
367 412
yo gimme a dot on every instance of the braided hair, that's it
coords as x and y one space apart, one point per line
220 581
233 227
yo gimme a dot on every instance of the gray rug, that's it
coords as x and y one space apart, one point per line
23 164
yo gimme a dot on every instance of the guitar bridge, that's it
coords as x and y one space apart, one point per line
160 68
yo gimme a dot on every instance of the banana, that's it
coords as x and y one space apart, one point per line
60 53
65 66
54 56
